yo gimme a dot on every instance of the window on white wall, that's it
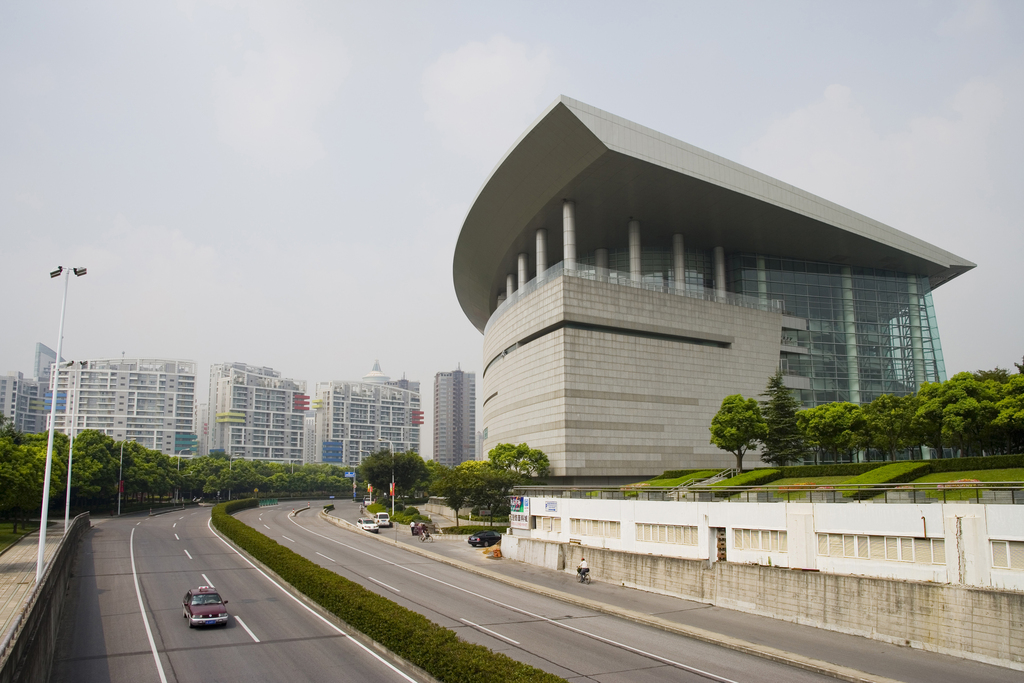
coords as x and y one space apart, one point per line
760 539
890 548
662 533
1008 554
594 527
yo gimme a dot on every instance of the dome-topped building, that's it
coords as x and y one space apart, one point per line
376 376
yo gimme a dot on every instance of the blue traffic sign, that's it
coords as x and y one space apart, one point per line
350 474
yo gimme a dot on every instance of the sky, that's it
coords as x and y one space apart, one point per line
283 183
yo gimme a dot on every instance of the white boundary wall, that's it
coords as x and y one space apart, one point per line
959 544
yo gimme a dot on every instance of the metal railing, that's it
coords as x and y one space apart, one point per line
990 492
623 279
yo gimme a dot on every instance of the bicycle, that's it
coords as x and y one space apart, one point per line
583 577
426 537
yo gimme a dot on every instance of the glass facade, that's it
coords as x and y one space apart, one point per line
870 331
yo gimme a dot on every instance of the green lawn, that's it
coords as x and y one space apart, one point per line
7 537
802 494
1016 474
679 480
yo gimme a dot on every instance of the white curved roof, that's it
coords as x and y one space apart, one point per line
616 170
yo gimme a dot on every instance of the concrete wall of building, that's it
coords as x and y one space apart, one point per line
606 404
959 536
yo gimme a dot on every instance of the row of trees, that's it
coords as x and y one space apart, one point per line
484 484
150 474
147 474
971 414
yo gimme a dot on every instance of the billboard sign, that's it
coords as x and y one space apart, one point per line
519 517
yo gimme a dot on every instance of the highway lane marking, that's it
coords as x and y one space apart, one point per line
176 537
329 558
242 624
142 608
287 539
208 582
309 609
265 526
484 628
183 517
174 525
381 583
559 624
189 554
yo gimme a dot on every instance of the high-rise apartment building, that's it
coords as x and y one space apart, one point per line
147 400
23 399
454 417
256 414
353 417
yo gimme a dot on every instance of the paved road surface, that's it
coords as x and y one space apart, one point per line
270 637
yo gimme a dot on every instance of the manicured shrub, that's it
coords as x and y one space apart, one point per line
990 462
893 473
832 470
406 633
470 529
751 478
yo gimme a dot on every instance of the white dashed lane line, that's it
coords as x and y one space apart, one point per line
189 554
242 624
325 557
176 537
208 582
381 583
487 630
265 526
287 539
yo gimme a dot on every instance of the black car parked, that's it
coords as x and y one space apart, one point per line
484 538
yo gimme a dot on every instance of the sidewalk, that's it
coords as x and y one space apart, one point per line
18 572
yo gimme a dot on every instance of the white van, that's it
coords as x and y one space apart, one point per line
383 519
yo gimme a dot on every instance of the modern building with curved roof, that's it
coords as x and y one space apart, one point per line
626 282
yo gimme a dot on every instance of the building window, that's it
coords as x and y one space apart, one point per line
594 527
761 539
1008 554
885 548
661 533
548 524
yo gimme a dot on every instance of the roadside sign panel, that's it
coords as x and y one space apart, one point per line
519 518
350 475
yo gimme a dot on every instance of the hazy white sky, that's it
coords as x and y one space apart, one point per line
282 184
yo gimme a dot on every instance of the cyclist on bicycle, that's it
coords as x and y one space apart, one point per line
583 569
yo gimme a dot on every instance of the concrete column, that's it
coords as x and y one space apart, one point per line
762 280
601 263
568 234
917 348
542 250
510 285
635 261
720 271
850 331
524 269
678 262
501 298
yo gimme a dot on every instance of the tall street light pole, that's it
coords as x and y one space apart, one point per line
71 444
79 272
392 446
120 480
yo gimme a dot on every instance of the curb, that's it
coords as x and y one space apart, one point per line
842 673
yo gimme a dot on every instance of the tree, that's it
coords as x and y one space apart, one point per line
737 427
1010 417
409 469
490 487
527 461
783 443
889 423
969 409
21 477
833 428
454 485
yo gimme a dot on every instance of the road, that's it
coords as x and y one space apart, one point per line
124 622
104 638
574 643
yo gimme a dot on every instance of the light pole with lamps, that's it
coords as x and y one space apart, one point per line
392 446
177 456
120 479
71 443
79 272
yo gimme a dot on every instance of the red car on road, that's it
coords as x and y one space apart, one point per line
203 607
